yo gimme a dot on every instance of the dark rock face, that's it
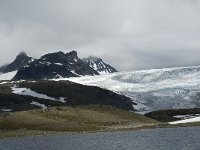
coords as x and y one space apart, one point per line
55 65
168 115
2 68
98 65
21 60
22 103
77 94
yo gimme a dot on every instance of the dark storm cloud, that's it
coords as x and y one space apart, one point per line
129 34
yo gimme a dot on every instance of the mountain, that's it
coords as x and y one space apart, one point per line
26 95
21 60
55 65
99 65
156 89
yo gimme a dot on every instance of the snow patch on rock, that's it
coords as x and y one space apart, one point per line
29 92
38 104
6 110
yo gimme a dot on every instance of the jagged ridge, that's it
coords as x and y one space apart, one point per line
55 65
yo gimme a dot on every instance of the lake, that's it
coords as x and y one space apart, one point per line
150 139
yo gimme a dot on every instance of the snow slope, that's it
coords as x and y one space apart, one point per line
155 89
7 76
195 119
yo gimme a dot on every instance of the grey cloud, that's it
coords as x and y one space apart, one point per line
129 34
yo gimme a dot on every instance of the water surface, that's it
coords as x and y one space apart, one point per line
152 139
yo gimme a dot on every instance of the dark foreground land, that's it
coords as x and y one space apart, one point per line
152 139
74 94
168 115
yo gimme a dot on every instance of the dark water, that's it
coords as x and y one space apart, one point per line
154 139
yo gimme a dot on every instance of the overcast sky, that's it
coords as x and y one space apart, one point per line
128 34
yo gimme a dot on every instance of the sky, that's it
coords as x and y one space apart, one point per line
128 34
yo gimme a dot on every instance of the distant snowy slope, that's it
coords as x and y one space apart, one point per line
155 89
195 119
7 76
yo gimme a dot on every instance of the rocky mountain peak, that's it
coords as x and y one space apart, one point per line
55 55
99 65
21 60
21 55
72 54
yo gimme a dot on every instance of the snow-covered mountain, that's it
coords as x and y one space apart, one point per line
52 65
155 89
99 65
55 65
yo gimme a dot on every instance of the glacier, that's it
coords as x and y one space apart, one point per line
155 89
